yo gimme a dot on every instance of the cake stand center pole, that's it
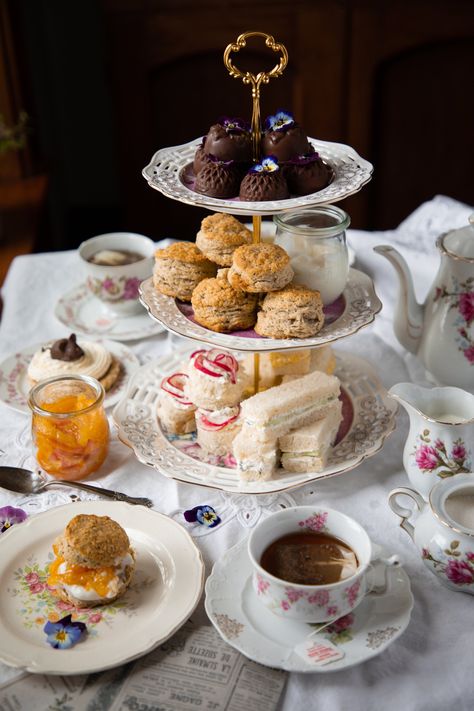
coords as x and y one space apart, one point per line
255 80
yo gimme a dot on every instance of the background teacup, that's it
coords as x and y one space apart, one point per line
117 286
310 603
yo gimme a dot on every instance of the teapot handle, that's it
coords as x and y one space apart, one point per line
403 512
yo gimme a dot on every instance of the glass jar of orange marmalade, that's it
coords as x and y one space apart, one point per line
69 428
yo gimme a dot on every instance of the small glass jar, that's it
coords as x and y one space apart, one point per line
315 240
70 429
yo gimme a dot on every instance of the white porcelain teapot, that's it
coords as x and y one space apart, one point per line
440 332
444 529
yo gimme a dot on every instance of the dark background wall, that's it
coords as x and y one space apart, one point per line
108 82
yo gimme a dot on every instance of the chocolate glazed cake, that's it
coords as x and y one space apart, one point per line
264 181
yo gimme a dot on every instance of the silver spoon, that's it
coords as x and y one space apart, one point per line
25 481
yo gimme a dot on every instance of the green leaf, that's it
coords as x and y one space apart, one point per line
444 473
426 433
454 544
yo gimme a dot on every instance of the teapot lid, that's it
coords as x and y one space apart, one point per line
459 243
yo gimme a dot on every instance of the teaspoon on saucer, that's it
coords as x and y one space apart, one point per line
25 481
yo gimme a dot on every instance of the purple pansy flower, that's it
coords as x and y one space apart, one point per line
204 515
9 515
281 121
267 165
64 633
234 125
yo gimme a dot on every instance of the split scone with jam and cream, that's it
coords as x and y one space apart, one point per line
68 357
93 562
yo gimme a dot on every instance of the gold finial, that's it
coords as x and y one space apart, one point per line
255 80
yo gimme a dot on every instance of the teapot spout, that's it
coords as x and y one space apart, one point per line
408 317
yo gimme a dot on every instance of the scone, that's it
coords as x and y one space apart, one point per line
93 562
67 357
215 379
179 268
220 307
219 237
216 429
260 268
293 312
175 411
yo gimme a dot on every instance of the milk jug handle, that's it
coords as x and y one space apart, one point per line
403 512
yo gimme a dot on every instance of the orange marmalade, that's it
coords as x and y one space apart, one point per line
70 428
96 579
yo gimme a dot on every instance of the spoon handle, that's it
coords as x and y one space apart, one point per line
116 495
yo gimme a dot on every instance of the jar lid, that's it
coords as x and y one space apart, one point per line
323 221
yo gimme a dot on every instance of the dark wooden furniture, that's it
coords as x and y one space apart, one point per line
390 78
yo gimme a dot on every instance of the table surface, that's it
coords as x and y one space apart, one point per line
429 666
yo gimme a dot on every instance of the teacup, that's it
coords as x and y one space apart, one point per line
310 603
117 286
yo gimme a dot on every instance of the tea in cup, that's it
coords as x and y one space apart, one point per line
116 264
310 563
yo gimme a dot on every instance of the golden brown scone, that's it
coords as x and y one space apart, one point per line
112 375
260 268
293 312
219 237
93 541
179 268
221 308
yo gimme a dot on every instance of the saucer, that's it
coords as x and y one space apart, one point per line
248 626
83 312
15 385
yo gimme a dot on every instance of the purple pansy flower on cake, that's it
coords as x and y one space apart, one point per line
281 121
267 165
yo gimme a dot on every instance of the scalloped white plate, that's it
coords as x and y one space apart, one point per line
259 634
358 308
166 172
138 427
165 590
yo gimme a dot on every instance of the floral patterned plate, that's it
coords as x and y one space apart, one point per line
82 312
259 634
369 420
15 386
355 309
165 590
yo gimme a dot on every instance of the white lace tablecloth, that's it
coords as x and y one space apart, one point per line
430 665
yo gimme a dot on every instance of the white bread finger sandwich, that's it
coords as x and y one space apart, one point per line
93 562
306 449
275 412
256 461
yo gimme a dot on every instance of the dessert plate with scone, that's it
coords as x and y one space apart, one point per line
110 362
151 583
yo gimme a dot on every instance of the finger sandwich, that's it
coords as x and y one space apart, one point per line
275 412
256 461
306 448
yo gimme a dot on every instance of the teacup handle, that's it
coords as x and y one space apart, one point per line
403 512
380 562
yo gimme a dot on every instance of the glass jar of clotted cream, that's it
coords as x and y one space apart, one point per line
315 240
70 429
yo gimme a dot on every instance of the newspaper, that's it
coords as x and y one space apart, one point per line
195 669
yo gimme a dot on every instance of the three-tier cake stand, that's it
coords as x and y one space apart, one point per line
369 414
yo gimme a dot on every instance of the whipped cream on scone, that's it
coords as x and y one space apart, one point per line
95 362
